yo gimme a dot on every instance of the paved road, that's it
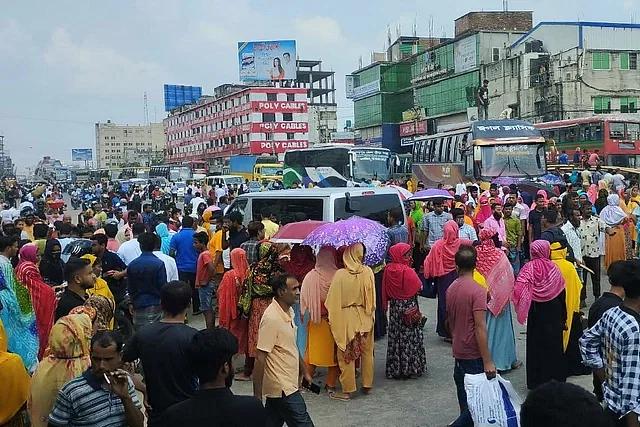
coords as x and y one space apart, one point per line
428 401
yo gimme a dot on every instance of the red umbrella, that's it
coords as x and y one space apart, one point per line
295 232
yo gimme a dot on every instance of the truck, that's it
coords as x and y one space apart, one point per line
256 168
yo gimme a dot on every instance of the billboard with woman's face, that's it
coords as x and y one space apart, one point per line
267 60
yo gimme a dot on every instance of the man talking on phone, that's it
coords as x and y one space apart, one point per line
103 394
278 364
114 270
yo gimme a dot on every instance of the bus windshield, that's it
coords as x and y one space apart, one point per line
368 163
516 160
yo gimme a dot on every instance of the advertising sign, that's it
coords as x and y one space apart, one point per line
81 154
406 142
179 95
280 127
267 60
413 128
349 81
342 136
365 90
259 147
279 107
465 53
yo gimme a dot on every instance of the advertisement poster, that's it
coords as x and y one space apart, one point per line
81 154
267 60
465 53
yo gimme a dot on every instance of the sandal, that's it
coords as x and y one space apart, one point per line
345 397
366 391
330 389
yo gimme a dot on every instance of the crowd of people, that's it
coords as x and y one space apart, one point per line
85 334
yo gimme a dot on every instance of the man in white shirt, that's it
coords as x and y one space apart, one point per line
220 192
130 250
9 214
195 202
169 263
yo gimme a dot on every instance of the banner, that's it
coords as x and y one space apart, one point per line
267 60
465 53
280 127
279 107
365 90
413 128
259 147
81 154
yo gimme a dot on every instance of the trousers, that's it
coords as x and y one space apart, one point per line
595 265
348 370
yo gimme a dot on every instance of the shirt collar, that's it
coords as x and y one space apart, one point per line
92 379
286 316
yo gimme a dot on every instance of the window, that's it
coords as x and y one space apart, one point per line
374 207
633 131
272 97
633 61
268 137
628 105
624 60
312 208
268 117
600 61
515 66
287 117
106 138
495 54
616 130
291 136
291 97
602 105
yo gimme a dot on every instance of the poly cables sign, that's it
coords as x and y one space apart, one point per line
280 127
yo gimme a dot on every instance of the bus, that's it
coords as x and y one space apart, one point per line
133 173
98 175
335 164
173 173
480 150
617 139
198 169
402 166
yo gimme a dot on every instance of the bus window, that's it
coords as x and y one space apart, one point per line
424 154
417 150
633 131
468 164
569 134
447 155
596 131
437 150
616 130
585 133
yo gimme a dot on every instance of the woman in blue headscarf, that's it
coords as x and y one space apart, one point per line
163 231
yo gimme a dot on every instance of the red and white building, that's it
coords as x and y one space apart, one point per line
251 120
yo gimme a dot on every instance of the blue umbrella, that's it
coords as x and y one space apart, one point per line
431 194
552 179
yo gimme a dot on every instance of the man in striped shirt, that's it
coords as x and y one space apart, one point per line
103 395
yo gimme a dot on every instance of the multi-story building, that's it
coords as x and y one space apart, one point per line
567 70
321 96
7 168
124 145
428 84
238 120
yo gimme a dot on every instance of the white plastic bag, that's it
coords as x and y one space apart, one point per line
492 402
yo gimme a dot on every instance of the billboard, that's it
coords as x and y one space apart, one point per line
465 53
365 90
179 95
81 154
267 60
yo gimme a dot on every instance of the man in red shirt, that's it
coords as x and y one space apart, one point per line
205 271
466 310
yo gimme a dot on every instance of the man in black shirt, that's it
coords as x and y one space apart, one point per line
552 233
79 275
483 101
535 219
237 233
608 300
114 270
161 348
211 354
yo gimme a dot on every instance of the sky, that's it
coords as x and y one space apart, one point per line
75 63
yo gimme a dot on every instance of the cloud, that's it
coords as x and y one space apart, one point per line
95 70
14 40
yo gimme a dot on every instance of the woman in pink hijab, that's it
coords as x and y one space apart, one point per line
539 298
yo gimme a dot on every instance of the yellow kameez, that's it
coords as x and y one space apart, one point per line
573 287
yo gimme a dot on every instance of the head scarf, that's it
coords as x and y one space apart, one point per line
14 379
417 213
68 357
441 258
592 193
163 231
28 253
301 261
104 308
612 214
539 280
484 210
496 270
317 282
231 287
42 295
351 301
206 221
400 281
51 267
258 280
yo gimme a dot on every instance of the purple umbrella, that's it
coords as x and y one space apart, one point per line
432 194
349 231
505 181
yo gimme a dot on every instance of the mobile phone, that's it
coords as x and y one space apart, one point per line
314 388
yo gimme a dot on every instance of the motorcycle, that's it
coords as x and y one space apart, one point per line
75 202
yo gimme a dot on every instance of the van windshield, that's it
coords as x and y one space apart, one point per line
374 207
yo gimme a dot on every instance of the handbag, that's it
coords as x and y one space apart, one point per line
428 289
411 315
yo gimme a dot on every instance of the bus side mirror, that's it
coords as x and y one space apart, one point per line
477 153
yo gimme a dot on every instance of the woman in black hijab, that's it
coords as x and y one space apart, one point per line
51 267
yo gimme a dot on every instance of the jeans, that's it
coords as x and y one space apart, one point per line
514 260
290 409
483 112
473 366
595 265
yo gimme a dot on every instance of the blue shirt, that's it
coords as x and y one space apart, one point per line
563 159
146 275
186 255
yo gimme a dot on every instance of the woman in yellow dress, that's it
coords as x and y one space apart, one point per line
100 286
15 383
615 217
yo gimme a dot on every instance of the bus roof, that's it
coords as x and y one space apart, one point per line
583 120
333 146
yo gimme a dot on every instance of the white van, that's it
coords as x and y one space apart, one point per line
320 204
224 180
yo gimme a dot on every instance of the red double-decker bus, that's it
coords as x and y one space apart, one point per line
616 138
